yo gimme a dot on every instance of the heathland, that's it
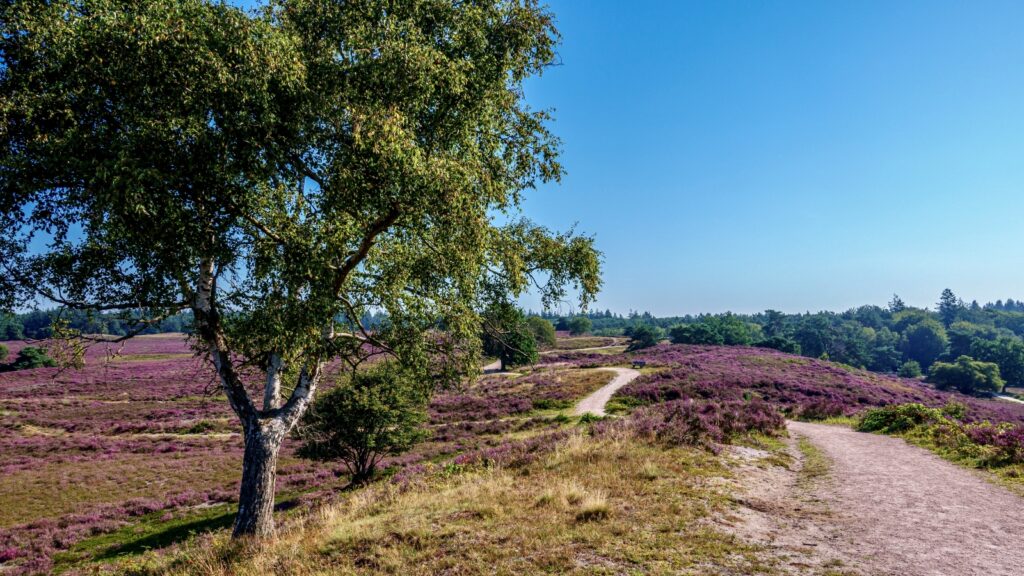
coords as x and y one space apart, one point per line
137 451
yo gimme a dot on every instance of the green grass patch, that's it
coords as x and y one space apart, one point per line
151 532
623 404
849 421
815 464
551 404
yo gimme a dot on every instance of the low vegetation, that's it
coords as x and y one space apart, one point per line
580 342
151 473
372 415
28 357
993 446
614 502
143 450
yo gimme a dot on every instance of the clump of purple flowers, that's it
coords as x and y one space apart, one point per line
800 387
702 423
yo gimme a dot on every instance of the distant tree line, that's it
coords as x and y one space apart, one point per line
38 324
893 339
957 345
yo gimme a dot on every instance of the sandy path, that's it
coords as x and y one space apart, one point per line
902 510
596 401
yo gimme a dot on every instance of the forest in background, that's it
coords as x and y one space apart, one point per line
896 338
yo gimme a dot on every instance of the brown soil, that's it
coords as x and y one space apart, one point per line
885 507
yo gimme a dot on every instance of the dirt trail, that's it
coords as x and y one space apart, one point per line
899 509
596 401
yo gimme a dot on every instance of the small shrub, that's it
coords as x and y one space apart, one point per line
898 418
375 414
31 357
910 369
955 410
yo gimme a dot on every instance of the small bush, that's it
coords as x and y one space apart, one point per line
955 410
898 418
375 414
910 369
31 357
967 375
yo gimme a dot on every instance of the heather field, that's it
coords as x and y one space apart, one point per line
139 449
801 387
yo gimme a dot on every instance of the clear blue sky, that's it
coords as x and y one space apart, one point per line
790 155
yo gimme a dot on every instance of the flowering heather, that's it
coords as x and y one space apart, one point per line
142 434
704 423
802 387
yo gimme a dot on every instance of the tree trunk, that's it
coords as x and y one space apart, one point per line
259 476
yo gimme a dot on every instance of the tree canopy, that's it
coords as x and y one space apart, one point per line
966 375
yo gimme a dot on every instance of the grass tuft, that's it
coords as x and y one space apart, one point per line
594 507
650 471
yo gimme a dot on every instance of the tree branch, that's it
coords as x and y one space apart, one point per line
207 322
354 259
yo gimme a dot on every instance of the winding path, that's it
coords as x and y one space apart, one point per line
902 510
595 403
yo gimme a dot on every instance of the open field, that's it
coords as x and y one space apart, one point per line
590 506
140 448
140 451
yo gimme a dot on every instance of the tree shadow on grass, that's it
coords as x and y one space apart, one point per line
168 535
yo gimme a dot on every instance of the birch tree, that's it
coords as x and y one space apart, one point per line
279 173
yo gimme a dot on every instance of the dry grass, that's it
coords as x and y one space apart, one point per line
584 509
577 342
